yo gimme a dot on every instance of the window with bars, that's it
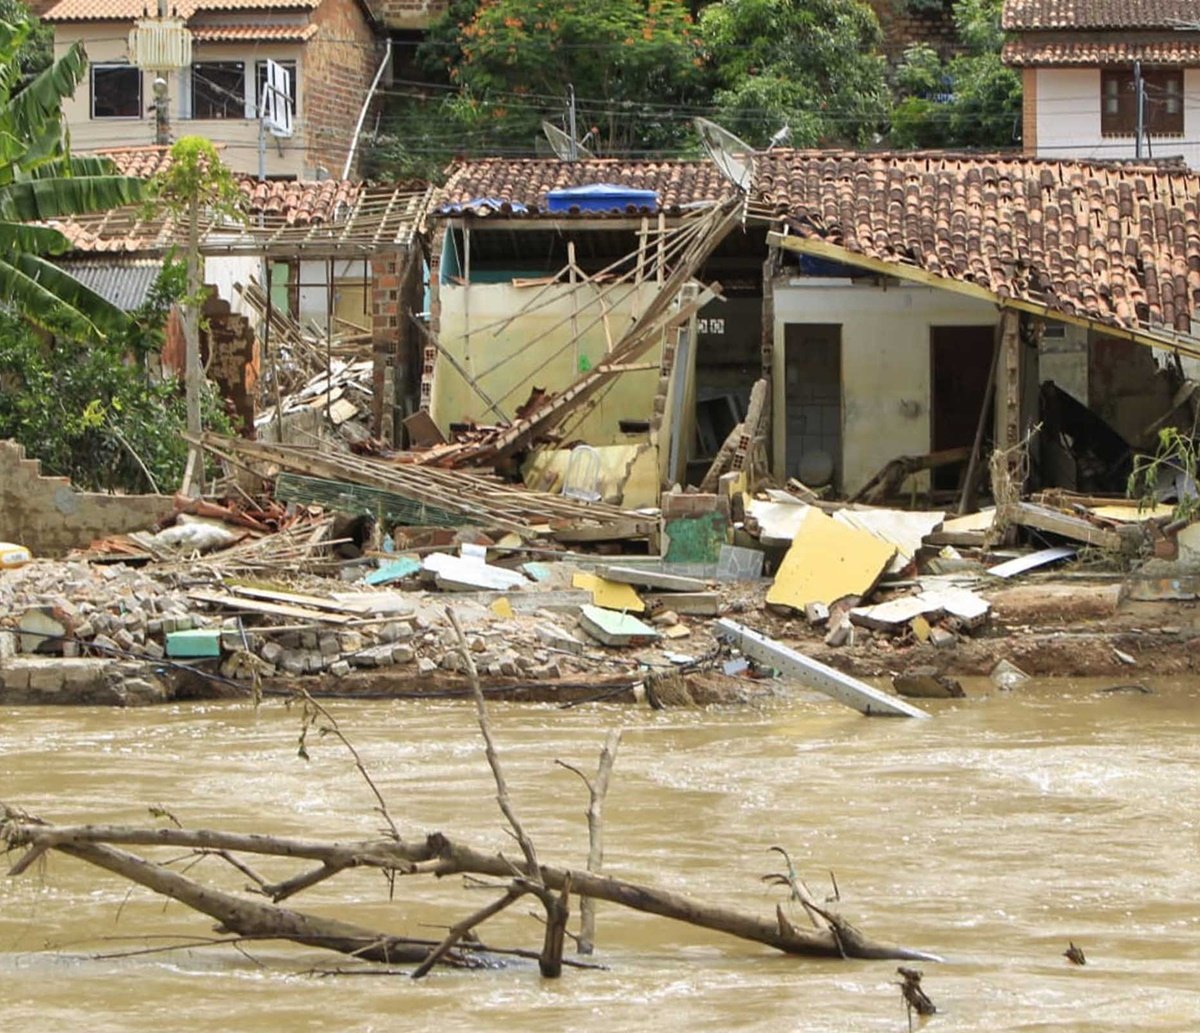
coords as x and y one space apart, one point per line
219 89
1163 109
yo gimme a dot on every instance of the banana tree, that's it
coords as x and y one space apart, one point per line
40 182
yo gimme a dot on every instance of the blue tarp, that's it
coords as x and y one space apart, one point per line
600 197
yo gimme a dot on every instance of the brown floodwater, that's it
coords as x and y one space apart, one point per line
993 834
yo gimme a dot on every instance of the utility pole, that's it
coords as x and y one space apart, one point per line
162 100
571 121
1139 91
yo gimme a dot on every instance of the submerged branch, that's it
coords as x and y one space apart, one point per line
437 854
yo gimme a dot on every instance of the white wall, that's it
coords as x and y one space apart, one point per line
1068 119
106 42
885 364
223 271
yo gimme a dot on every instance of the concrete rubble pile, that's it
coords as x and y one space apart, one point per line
560 600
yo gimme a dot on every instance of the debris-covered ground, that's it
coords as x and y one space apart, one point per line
342 587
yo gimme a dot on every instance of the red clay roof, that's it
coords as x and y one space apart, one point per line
258 33
526 181
142 162
126 10
1098 14
1030 50
297 202
1119 244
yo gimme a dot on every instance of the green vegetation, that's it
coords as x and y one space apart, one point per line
74 385
641 69
91 411
40 181
1176 454
972 100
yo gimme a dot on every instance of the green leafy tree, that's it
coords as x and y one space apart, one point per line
631 62
37 50
94 414
195 183
813 65
972 100
39 181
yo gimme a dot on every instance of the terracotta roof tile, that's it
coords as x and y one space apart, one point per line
1030 50
234 33
298 202
1098 14
526 181
142 162
1115 243
126 10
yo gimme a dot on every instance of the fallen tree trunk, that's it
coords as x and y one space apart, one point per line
437 855
253 920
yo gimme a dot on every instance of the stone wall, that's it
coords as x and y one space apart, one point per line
49 517
339 66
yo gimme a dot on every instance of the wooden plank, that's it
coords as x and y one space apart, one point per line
653 579
1028 515
607 532
814 674
316 602
236 602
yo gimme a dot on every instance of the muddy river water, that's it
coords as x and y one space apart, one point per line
993 834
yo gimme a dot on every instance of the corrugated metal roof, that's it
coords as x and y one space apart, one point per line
124 282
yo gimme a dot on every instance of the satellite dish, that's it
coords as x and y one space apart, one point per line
731 155
563 146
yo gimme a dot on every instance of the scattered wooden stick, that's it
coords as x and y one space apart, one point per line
597 791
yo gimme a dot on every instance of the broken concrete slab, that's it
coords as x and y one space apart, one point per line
828 561
813 673
470 574
651 579
615 629
689 604
1007 675
778 521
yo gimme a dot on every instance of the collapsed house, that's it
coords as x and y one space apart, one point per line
899 305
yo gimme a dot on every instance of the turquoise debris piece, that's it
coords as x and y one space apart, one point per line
194 644
404 567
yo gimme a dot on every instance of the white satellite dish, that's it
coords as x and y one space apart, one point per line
565 149
733 156
277 105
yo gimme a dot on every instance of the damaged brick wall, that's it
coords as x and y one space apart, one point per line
49 517
339 65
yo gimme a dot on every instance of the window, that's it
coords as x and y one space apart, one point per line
219 89
116 91
260 80
1163 110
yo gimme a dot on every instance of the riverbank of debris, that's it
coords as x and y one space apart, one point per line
337 569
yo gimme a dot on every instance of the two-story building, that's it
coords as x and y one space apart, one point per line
330 51
1086 63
